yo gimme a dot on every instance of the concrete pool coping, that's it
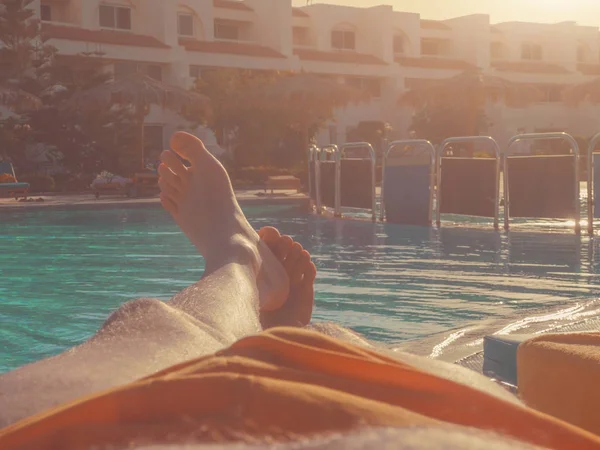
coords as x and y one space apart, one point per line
88 201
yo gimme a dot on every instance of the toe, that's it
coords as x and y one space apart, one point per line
173 163
310 273
292 258
283 248
168 189
167 176
189 147
271 237
168 203
302 265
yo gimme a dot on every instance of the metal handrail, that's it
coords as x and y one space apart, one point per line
590 182
338 177
331 149
464 139
535 137
313 154
407 143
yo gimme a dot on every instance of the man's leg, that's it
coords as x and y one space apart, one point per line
243 284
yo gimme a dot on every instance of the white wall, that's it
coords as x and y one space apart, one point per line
270 24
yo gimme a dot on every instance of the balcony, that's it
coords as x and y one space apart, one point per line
72 33
106 44
230 48
342 57
233 10
531 67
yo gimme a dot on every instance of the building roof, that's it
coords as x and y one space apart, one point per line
307 54
231 48
53 31
528 67
435 63
232 4
434 25
589 69
299 13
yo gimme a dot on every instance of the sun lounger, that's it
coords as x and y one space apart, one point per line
287 182
15 188
112 185
558 375
500 356
284 385
145 183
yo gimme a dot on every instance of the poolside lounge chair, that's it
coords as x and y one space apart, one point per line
556 374
286 182
15 188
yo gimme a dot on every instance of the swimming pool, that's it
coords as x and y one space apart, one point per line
63 271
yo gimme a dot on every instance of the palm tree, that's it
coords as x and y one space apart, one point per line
141 92
472 90
309 97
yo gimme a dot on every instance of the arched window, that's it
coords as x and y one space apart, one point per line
189 24
343 37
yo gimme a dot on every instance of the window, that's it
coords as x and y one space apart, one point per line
153 71
126 68
300 36
343 40
116 17
417 83
46 13
532 52
372 86
398 44
496 50
195 71
430 47
224 30
185 25
552 93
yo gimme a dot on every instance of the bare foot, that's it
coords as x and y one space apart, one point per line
297 310
201 200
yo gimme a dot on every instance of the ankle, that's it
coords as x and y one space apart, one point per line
237 249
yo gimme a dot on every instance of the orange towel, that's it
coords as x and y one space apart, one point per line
559 375
282 384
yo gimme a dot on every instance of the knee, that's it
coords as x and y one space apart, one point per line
140 311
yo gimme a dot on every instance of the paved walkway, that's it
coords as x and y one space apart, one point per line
245 197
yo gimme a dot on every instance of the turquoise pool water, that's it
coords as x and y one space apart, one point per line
63 271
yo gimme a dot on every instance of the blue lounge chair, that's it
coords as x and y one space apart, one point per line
15 189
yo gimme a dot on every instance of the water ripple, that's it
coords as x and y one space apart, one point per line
63 272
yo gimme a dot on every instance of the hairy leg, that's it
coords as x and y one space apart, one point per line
242 280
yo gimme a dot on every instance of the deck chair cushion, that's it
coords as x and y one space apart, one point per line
558 375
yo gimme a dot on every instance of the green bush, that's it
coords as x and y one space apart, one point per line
37 182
